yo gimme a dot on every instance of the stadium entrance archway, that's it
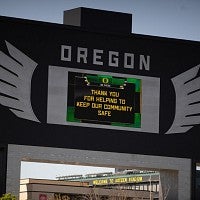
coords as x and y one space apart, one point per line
175 173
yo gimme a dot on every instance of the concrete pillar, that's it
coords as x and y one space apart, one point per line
168 186
13 172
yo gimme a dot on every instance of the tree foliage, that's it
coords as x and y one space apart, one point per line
8 196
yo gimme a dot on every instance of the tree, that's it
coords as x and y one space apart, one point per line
8 196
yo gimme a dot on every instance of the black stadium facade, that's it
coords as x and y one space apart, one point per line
90 84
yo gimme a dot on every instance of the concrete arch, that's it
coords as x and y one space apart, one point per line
175 173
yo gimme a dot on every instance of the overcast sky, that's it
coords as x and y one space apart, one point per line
166 18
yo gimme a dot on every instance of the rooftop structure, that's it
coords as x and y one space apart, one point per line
32 189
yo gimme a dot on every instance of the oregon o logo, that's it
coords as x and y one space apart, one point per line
105 80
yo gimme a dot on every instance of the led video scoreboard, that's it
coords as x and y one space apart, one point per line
104 99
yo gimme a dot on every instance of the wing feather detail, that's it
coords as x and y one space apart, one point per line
11 103
10 64
191 97
9 90
16 73
7 76
187 111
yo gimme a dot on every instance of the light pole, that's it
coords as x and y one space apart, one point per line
150 187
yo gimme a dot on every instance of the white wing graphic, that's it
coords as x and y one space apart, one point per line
187 89
15 82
